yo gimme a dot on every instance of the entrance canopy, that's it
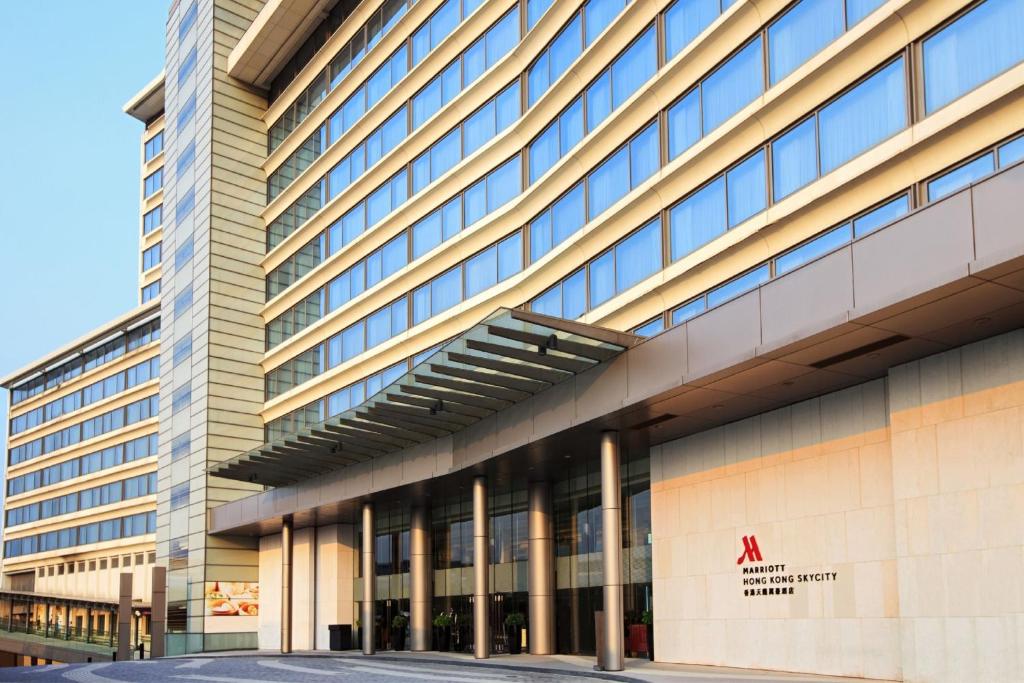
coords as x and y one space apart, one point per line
507 358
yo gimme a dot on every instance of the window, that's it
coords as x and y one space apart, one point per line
153 182
534 10
972 50
649 329
599 14
568 44
698 219
150 291
819 246
188 19
684 124
800 33
623 171
152 220
745 185
181 398
858 9
185 204
107 530
794 159
188 108
151 257
183 302
481 271
153 146
187 65
297 265
737 286
483 124
556 140
182 350
1011 152
185 158
733 86
446 291
634 67
606 183
179 496
180 446
638 256
685 20
960 177
871 112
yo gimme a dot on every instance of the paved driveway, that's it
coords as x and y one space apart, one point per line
284 669
403 668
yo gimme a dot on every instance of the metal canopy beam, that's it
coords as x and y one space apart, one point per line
529 386
414 436
623 340
331 457
594 353
500 393
515 369
338 452
432 416
360 441
394 442
267 477
406 421
456 397
255 473
465 415
314 440
303 468
547 360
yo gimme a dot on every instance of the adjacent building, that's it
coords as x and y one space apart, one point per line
691 325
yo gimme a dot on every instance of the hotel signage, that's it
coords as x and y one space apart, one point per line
761 580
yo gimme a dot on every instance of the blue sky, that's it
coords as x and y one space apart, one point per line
69 170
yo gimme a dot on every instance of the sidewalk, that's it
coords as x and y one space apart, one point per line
636 669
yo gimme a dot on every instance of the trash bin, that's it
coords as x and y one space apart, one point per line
341 636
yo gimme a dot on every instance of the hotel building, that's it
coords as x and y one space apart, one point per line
702 313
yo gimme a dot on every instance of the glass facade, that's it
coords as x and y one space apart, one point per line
576 517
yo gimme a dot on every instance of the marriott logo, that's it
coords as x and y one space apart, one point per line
751 552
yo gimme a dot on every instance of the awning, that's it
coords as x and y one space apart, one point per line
505 359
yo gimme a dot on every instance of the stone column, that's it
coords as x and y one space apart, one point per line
541 581
369 582
124 619
286 585
421 588
158 613
481 569
611 518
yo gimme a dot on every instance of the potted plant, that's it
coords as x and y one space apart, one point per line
398 624
514 623
443 624
647 617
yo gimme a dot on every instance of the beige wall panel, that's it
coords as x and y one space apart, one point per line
958 464
270 593
304 583
792 479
